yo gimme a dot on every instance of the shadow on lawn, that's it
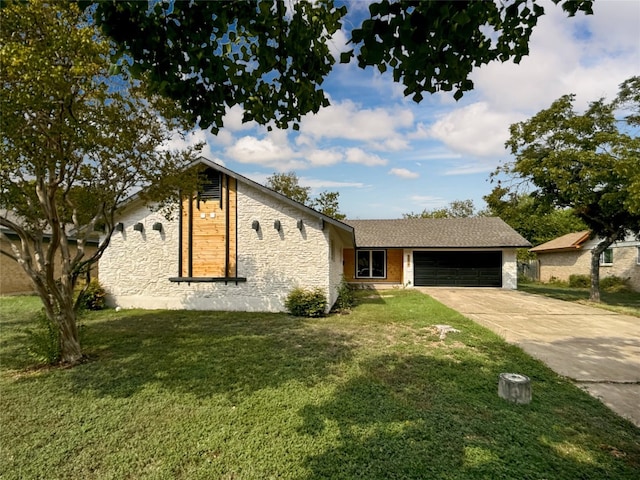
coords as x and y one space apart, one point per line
413 416
204 354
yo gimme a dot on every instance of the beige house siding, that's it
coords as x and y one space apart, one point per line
560 265
14 280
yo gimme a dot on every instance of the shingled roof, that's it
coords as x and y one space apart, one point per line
476 232
568 242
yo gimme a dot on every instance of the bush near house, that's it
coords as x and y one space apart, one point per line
304 302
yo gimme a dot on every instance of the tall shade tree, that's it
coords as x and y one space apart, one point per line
272 56
75 143
585 162
536 221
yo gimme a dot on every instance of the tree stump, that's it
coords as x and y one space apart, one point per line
515 388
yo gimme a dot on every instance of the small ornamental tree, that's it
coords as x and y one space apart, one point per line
75 143
587 162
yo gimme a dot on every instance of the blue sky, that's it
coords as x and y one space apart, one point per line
387 155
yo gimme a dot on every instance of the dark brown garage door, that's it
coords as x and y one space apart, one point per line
457 269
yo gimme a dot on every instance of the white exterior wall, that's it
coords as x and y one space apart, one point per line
136 267
509 266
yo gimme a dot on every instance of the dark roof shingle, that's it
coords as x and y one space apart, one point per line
475 232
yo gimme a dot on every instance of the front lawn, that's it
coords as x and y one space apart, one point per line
373 395
627 303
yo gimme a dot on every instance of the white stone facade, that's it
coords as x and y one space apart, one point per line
136 267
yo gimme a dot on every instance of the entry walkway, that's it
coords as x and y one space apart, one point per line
598 349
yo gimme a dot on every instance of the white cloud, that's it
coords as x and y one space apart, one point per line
475 129
323 158
346 120
232 120
403 173
272 151
357 155
586 55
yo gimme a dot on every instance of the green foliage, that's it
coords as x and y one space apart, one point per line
346 297
288 184
272 57
535 220
43 340
93 138
303 302
614 284
456 209
587 162
579 281
93 297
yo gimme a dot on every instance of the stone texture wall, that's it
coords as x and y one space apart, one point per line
136 267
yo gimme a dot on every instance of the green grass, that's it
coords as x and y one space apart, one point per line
374 395
627 303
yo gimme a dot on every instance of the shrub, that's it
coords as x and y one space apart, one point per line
346 297
579 281
43 341
93 297
615 284
303 302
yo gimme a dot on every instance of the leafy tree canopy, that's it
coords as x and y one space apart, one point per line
288 184
271 56
537 222
455 209
586 162
75 143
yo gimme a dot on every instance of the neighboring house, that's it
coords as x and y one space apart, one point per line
465 252
571 254
238 245
13 279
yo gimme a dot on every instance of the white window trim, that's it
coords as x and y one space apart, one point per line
370 276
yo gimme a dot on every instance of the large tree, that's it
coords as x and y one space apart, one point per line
272 56
536 221
288 184
588 162
75 143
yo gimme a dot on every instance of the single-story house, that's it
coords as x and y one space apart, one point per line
571 255
237 245
464 252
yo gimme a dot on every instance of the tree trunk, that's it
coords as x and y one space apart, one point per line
70 351
594 293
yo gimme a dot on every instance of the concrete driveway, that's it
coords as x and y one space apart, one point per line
598 349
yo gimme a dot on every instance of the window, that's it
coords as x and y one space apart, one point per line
606 257
371 264
638 256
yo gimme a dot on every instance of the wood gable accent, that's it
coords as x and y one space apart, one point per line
208 232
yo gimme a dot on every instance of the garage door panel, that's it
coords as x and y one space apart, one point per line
470 269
